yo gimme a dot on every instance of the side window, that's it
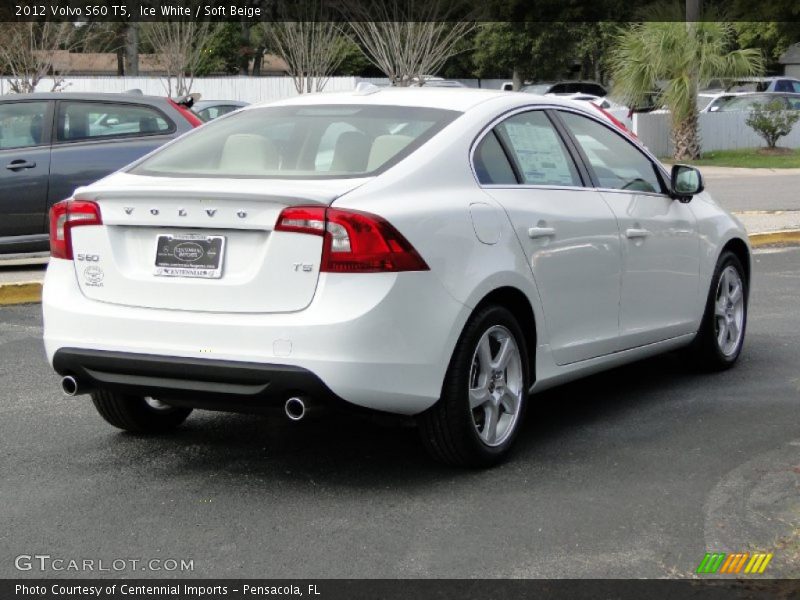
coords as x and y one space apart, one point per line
796 87
22 124
616 162
536 147
491 163
89 120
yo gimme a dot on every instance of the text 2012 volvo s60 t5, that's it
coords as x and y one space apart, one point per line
438 253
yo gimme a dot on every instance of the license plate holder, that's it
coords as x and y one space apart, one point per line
191 255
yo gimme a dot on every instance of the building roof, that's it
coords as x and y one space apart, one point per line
100 62
149 64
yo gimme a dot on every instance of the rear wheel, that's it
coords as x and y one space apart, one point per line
721 336
476 420
138 414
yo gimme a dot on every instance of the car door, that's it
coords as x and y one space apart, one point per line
660 243
568 233
24 168
94 139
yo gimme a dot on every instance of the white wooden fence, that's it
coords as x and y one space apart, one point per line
248 89
718 131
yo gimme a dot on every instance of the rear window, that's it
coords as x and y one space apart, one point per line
285 142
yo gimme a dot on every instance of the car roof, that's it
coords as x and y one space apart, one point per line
459 99
106 97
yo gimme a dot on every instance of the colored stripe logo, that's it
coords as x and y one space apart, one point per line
722 563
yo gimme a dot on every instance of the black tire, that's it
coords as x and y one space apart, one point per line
448 429
134 414
705 352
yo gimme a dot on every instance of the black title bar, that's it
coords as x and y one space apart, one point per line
391 10
344 589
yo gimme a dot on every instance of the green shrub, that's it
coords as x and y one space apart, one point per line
772 121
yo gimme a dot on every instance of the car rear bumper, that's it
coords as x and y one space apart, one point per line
200 383
379 341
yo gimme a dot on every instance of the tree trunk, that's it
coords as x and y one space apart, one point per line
259 56
132 50
686 138
516 80
244 45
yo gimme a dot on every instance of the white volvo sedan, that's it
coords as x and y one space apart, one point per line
439 253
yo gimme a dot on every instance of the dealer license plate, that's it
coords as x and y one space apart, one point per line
190 255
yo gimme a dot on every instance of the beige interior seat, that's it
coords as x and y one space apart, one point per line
351 153
248 153
384 148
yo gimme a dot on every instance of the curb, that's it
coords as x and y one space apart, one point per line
783 236
20 293
30 292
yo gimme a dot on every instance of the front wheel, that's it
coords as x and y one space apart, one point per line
477 418
138 414
719 342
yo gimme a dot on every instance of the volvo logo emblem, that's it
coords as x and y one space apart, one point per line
211 211
154 211
241 214
181 212
128 210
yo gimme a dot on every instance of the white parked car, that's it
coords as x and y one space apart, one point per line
439 253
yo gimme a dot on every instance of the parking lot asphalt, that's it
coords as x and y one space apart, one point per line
633 473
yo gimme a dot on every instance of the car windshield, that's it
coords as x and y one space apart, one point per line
748 86
748 102
309 141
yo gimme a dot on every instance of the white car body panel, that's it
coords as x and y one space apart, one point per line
665 260
384 340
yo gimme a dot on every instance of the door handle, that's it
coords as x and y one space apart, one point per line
20 164
636 233
540 232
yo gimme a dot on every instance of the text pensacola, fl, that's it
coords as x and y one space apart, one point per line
122 10
154 591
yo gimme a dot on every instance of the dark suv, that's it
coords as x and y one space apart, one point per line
52 143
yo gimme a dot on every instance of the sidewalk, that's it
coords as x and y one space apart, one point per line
724 172
765 221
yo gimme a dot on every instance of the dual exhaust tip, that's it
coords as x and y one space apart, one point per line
71 387
296 407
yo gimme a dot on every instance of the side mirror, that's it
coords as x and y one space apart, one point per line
686 182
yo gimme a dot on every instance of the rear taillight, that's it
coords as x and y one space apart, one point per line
187 114
353 241
66 216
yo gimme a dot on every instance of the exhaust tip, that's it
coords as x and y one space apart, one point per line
70 385
295 408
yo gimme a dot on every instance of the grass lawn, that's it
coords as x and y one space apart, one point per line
754 158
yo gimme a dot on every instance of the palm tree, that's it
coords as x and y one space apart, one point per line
672 59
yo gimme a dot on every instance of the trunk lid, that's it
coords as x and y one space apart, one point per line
191 223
